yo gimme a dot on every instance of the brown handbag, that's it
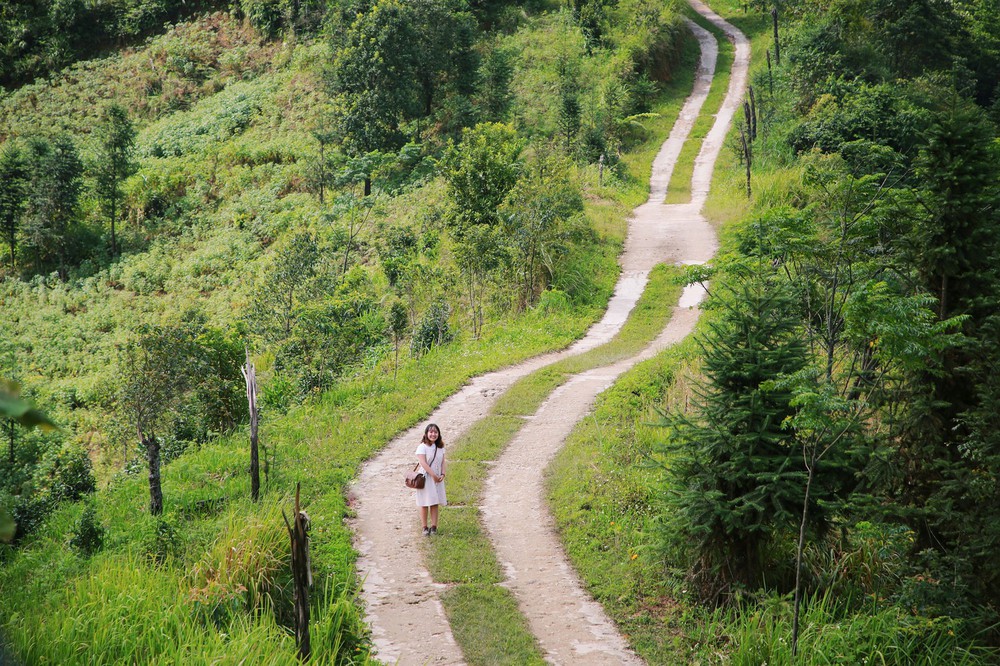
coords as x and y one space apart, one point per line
416 478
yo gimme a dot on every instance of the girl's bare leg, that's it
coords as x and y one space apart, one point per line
423 515
434 515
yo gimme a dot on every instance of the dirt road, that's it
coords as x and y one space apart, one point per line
411 628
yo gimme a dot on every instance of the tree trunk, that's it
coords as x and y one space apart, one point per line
368 185
746 158
152 446
798 554
114 214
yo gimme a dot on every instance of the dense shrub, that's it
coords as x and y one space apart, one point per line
88 533
432 330
64 473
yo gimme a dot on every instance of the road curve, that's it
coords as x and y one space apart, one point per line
403 607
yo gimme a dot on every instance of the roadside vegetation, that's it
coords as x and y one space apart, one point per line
681 502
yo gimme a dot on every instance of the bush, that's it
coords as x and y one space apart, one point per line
29 512
162 544
64 473
432 330
88 534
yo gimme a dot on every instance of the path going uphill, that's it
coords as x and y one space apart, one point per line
570 627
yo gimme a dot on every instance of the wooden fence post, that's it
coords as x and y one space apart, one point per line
250 375
747 157
301 573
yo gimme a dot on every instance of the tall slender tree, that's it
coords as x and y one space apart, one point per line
13 193
54 187
115 163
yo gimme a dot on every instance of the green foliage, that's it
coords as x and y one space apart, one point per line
734 488
115 163
433 329
480 172
89 533
537 220
54 186
64 474
18 410
13 195
39 38
395 62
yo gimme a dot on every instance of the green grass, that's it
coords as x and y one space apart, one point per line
679 189
639 161
487 624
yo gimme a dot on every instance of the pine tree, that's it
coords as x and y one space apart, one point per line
735 474
55 183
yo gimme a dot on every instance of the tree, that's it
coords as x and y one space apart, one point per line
13 193
355 213
284 283
949 452
570 110
54 187
534 216
115 163
495 75
480 172
398 322
733 482
156 374
390 64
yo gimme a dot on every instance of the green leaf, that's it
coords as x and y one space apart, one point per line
19 410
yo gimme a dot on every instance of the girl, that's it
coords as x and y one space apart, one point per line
430 455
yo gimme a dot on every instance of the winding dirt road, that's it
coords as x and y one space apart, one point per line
570 627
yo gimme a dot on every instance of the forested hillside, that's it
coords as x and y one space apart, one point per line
825 452
370 201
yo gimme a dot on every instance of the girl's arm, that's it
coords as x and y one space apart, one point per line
422 459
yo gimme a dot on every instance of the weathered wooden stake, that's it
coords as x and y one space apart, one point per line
746 158
753 115
600 171
748 120
250 375
301 573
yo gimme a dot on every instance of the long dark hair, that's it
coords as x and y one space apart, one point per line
440 439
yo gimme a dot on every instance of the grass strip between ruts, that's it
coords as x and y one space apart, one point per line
679 190
484 615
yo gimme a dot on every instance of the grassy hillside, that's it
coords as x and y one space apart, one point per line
226 195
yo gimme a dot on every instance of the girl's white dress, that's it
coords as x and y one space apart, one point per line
433 492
